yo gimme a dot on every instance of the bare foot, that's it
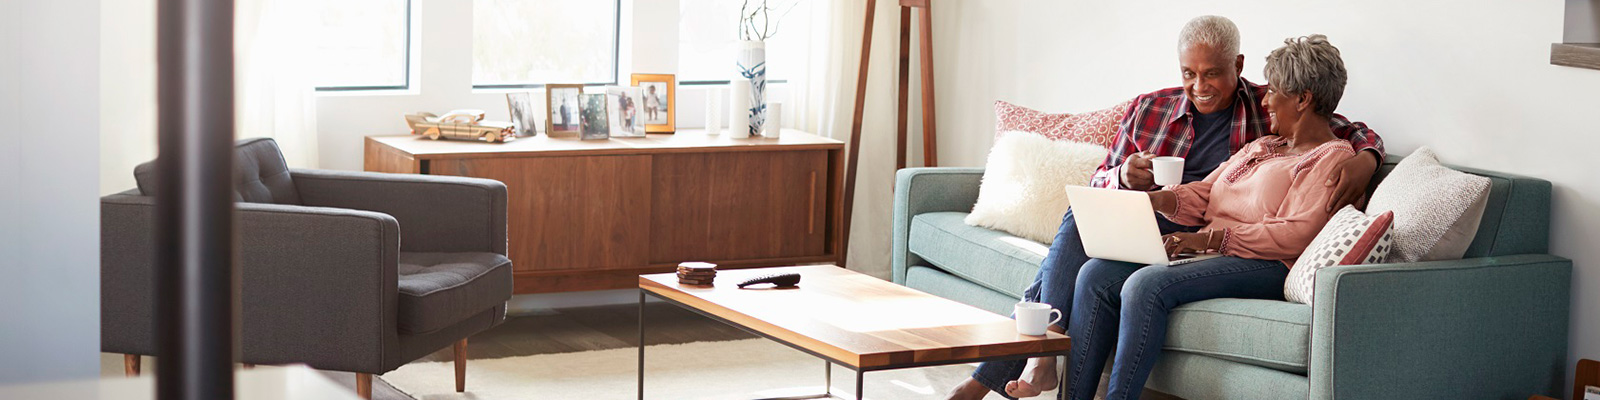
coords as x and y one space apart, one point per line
968 390
1041 376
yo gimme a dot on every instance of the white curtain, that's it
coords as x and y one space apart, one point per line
826 101
274 91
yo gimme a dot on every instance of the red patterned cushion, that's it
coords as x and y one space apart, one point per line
1095 127
1351 237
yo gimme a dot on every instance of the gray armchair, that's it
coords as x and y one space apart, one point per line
326 276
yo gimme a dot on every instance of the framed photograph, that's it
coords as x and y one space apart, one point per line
592 116
622 107
657 94
561 108
522 114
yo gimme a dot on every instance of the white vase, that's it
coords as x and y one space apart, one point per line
752 66
774 126
739 109
713 112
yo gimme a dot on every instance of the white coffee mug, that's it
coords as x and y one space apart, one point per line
1034 318
1167 170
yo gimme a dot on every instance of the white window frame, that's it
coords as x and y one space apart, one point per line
616 59
408 78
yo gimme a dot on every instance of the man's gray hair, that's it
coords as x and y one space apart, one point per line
1211 30
1308 64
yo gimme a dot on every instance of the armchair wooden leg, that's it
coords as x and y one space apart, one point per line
461 366
364 385
130 364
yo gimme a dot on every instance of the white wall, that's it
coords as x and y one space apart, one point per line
49 211
1470 79
127 90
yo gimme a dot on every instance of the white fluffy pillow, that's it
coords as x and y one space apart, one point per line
1436 209
1022 191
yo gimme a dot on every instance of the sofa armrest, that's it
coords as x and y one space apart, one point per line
436 213
923 190
316 285
1493 327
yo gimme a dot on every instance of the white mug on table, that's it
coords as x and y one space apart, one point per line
1034 318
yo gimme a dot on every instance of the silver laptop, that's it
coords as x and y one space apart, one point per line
1121 225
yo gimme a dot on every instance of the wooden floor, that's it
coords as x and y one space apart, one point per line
569 330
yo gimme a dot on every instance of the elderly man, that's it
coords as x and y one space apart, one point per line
1213 115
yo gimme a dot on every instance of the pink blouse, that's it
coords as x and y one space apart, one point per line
1268 205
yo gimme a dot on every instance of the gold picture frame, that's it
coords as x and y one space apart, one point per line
663 103
555 96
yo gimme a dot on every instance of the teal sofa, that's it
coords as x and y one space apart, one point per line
1490 326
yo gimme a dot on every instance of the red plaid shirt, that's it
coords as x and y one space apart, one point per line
1161 123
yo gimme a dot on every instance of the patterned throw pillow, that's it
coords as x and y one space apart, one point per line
1437 209
1095 127
1351 237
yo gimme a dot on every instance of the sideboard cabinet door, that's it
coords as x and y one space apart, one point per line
738 206
570 213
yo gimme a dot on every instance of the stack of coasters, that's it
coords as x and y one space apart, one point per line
696 273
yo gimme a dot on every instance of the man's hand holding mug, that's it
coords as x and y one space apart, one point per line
1136 173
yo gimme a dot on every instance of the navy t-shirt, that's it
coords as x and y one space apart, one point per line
1210 145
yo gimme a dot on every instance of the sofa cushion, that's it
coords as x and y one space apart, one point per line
1351 237
933 281
1021 190
1265 333
1437 209
1097 127
441 289
991 258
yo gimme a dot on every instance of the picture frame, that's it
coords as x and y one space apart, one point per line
592 117
658 95
523 119
622 108
561 108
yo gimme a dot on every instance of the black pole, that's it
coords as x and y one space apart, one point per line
195 286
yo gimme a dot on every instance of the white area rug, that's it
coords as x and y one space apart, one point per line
740 369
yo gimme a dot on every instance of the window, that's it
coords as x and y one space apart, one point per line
528 43
363 44
708 39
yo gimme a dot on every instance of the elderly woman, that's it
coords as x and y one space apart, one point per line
1259 209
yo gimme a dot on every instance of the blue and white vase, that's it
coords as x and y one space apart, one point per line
752 63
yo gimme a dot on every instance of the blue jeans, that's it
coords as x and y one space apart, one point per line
1124 306
1058 275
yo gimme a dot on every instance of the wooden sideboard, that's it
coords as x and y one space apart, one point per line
595 214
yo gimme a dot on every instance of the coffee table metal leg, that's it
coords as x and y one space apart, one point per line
859 383
827 378
641 344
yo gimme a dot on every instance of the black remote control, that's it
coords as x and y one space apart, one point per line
780 280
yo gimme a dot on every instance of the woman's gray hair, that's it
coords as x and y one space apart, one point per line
1211 30
1308 64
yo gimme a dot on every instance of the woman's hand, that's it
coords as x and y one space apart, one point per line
1185 242
1164 201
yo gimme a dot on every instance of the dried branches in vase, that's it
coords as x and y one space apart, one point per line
756 23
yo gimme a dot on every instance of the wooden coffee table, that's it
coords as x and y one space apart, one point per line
856 321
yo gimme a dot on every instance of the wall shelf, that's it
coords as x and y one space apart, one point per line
1580 55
